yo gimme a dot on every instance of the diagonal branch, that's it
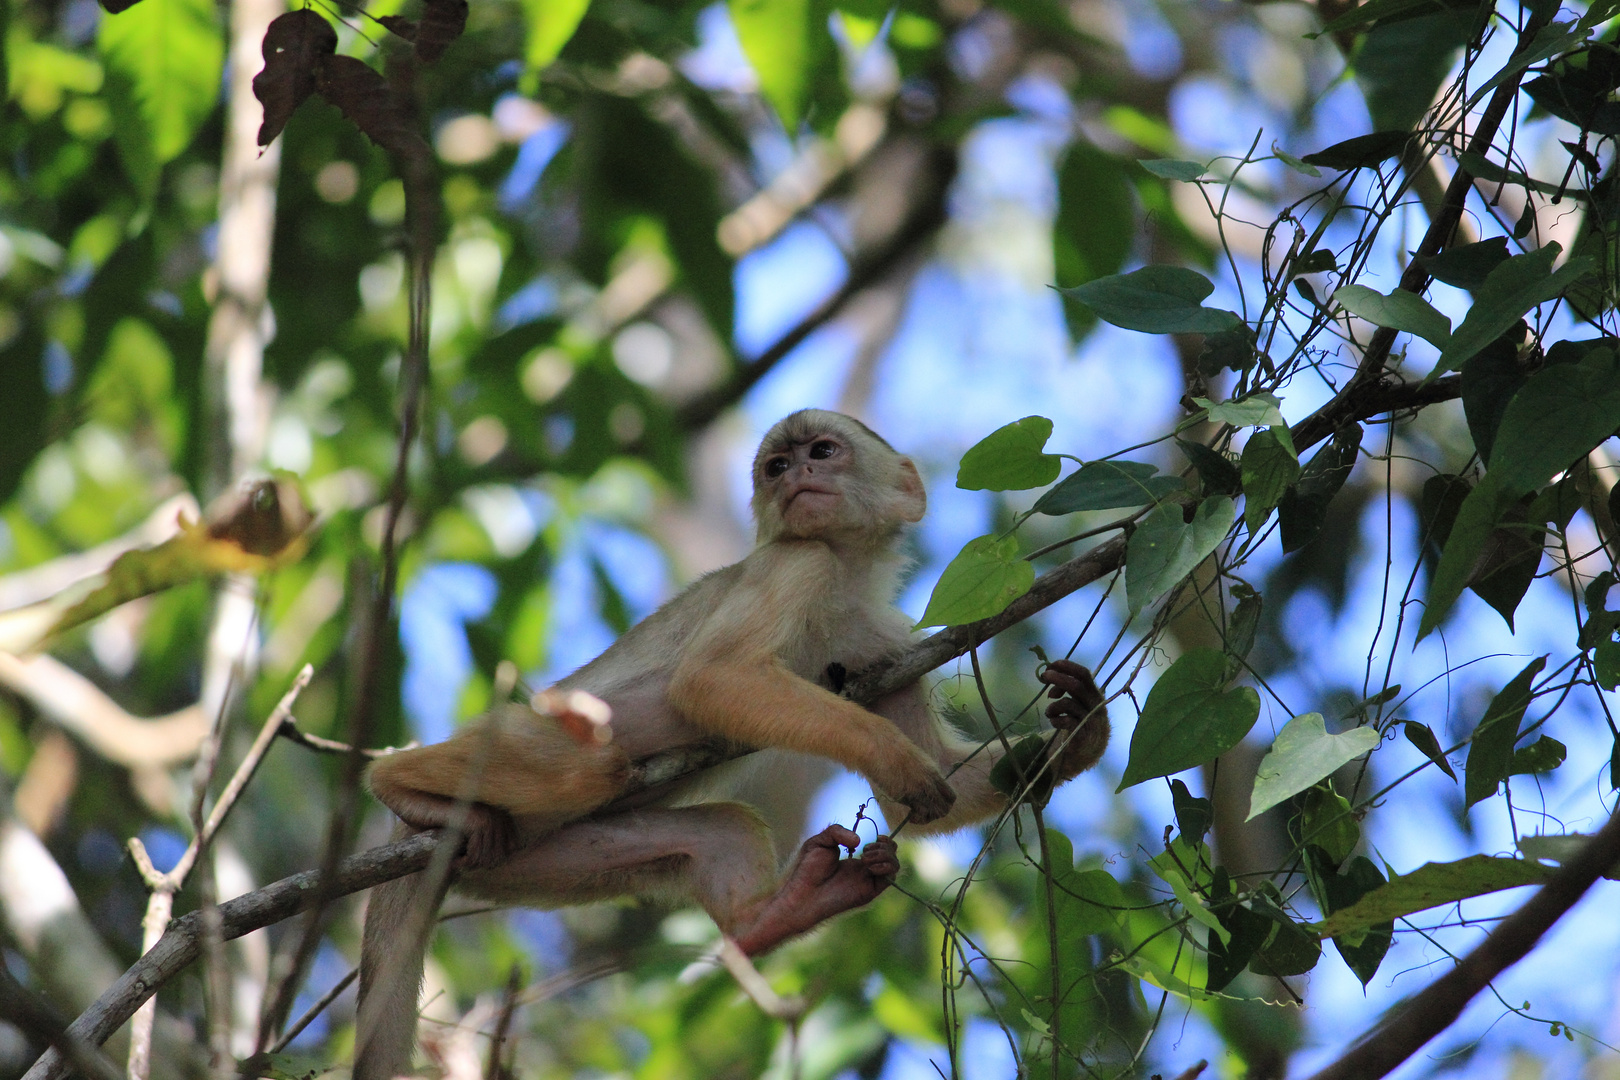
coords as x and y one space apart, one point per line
1404 1030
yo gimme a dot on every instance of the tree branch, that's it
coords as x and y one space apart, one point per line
1404 1031
918 228
1415 279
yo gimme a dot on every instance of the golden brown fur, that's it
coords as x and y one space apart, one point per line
743 654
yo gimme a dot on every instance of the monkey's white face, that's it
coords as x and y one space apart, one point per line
806 483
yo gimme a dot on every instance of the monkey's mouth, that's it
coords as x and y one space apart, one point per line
819 496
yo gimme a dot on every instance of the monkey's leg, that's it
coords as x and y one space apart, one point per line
718 854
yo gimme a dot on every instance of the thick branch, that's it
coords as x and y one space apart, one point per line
1403 1032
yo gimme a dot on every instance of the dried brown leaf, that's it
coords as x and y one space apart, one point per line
442 22
294 45
371 105
399 26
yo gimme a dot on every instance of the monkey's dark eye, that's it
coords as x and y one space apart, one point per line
776 467
823 448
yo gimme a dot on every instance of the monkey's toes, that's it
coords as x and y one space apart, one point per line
491 836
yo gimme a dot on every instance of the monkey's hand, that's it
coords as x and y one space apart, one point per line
821 884
926 793
489 832
1079 705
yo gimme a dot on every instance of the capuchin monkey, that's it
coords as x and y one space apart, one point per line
756 654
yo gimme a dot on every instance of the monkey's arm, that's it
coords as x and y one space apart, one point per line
732 681
1080 708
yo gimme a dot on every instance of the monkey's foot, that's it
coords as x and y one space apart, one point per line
489 834
819 885
1080 705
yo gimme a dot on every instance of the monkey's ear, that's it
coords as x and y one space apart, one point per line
911 498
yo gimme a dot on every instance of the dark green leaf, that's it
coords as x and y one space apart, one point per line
1163 549
1432 885
1269 468
1475 521
1293 949
1241 627
1189 718
1490 753
1304 507
1327 820
1508 562
1509 292
1442 498
1362 950
1487 170
981 581
1363 151
1402 63
1467 267
1490 378
1606 663
1543 755
1194 815
1420 736
1232 349
1155 300
1247 932
1560 414
1012 771
1319 261
1096 222
1216 471
1104 485
1010 458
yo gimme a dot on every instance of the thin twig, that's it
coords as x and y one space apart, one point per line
296 1028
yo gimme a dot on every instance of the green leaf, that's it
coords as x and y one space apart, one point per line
1010 458
1363 151
1155 300
1327 820
1372 11
1490 378
1105 485
1173 169
776 36
1241 627
1012 771
1420 736
1163 549
1303 754
1560 414
1559 848
1293 949
551 24
1401 63
1269 467
1362 949
1543 755
164 59
1490 753
1194 815
1095 225
1482 168
1216 472
981 581
1308 170
1468 266
1189 718
1303 509
1509 292
1476 519
1255 410
1432 885
1399 310
1246 932
1606 663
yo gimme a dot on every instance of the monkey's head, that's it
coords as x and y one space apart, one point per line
823 475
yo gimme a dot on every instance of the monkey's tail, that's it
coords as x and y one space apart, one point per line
399 924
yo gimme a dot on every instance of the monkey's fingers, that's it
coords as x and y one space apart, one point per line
1066 677
881 857
836 836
